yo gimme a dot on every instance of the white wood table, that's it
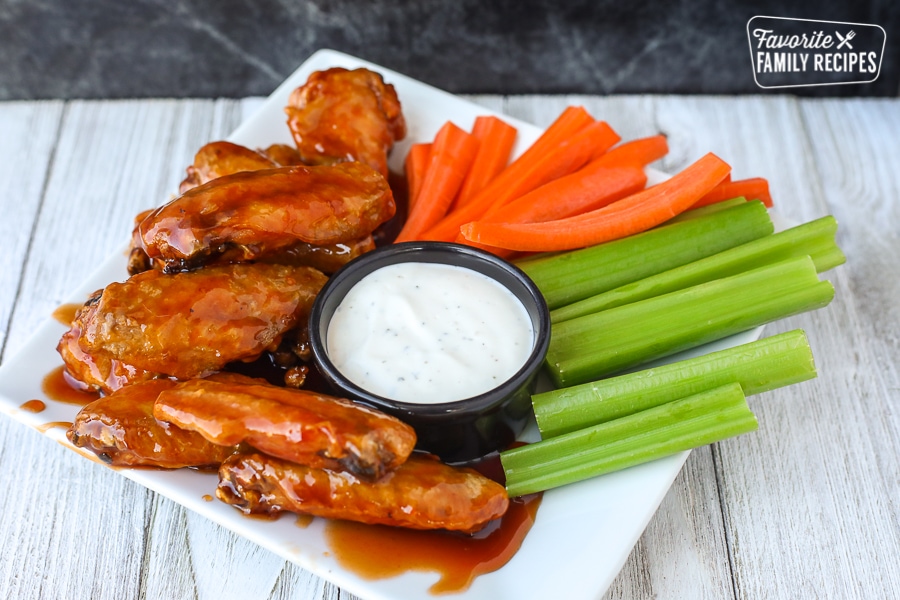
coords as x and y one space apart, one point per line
807 507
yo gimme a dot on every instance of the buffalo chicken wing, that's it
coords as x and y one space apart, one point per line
254 214
341 115
189 324
296 425
122 431
422 493
218 159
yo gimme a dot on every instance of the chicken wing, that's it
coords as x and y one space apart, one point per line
217 159
296 425
122 431
283 155
422 493
248 215
190 324
98 370
340 115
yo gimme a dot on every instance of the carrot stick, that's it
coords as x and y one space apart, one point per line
416 166
451 158
572 120
522 177
640 152
634 214
567 124
755 188
496 139
590 188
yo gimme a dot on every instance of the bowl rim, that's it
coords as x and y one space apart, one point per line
465 256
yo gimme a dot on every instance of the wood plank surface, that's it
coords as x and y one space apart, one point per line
807 507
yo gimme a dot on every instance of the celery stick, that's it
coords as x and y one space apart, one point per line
815 239
603 343
707 210
664 430
758 366
576 275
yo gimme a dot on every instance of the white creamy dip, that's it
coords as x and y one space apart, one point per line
426 333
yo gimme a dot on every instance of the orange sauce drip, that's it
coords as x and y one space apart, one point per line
207 498
56 387
34 406
377 551
65 313
303 521
53 425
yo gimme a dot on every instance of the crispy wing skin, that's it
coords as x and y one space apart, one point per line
122 431
97 370
296 425
283 155
422 493
340 115
191 324
256 213
138 261
217 159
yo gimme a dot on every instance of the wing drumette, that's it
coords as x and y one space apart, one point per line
186 325
422 493
340 115
296 425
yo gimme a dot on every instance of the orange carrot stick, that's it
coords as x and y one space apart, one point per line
567 124
640 152
524 176
452 154
572 120
634 214
587 189
495 139
416 166
755 188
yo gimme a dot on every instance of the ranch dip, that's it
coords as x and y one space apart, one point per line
426 333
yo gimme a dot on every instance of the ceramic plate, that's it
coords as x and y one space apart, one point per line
583 532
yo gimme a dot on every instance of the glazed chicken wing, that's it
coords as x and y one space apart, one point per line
122 431
283 155
218 159
249 215
422 493
99 370
296 425
190 324
340 115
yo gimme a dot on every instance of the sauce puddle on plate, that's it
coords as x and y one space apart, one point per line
57 388
65 313
378 552
34 406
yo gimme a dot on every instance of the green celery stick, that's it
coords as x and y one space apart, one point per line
758 366
573 276
815 239
664 430
707 210
596 345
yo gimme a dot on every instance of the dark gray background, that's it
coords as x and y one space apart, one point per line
236 48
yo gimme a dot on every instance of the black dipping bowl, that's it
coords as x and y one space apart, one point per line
462 430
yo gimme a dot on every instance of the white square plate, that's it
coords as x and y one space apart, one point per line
583 533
